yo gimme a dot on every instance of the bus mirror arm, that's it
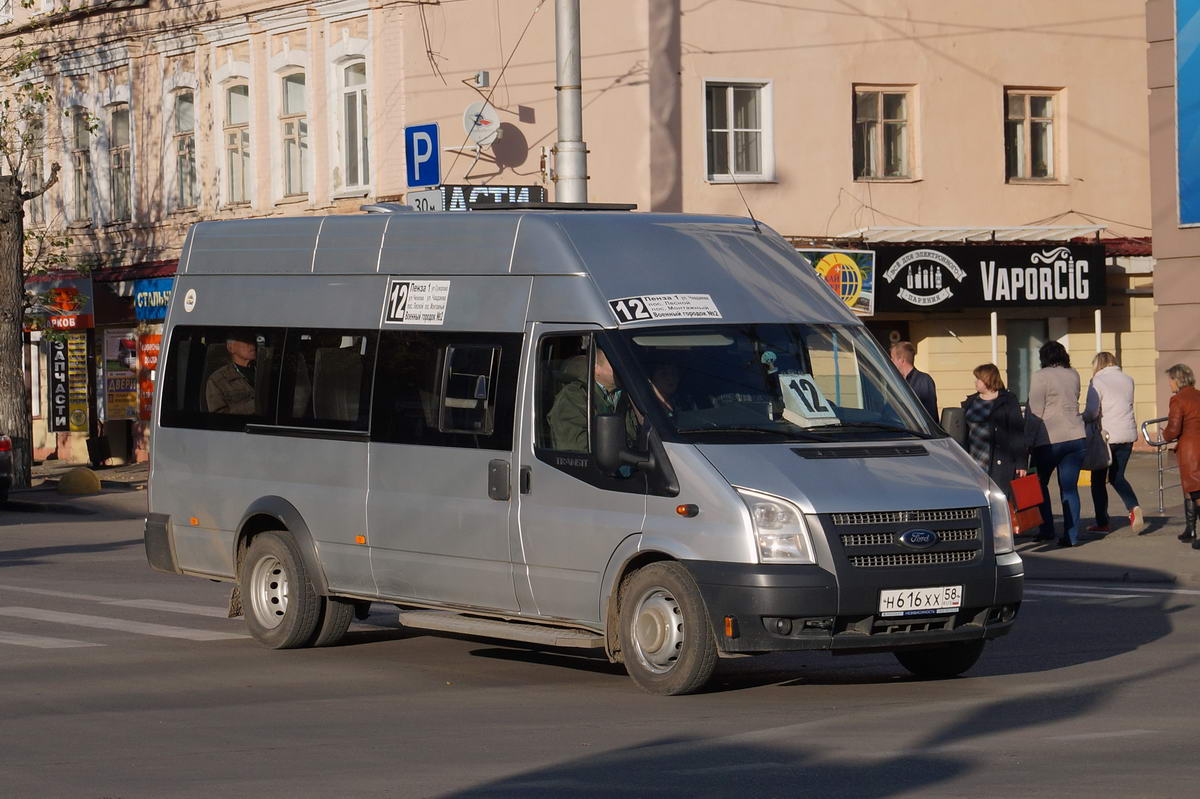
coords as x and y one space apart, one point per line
609 448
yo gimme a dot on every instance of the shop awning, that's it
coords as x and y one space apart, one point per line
947 234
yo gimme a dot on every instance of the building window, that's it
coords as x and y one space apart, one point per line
35 176
6 10
81 142
354 124
738 131
237 144
1029 135
882 134
294 127
185 150
118 162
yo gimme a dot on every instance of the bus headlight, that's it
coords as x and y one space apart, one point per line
779 529
1002 521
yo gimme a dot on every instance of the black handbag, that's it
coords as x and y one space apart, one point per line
1096 454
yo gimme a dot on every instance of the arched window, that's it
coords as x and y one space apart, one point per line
354 124
81 165
118 161
237 144
186 194
293 122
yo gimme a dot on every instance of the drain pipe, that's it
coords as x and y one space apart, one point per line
570 152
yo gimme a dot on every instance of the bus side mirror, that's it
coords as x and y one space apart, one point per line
608 445
954 422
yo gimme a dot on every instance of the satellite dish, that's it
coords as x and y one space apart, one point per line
481 121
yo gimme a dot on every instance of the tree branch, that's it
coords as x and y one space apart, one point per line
50 181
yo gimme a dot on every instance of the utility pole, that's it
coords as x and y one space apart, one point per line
570 159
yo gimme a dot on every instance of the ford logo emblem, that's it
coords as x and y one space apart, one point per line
919 539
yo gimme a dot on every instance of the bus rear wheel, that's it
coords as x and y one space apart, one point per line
282 608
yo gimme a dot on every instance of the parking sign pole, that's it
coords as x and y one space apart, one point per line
570 162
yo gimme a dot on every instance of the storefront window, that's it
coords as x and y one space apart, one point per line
1025 338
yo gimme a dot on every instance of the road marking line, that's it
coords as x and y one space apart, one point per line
171 607
60 594
42 642
1040 592
1126 588
106 623
1092 736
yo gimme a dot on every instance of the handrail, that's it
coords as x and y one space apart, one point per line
1160 448
1146 432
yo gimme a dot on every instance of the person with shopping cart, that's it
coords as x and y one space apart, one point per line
1183 426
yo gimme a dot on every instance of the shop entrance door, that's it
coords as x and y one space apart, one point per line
1025 337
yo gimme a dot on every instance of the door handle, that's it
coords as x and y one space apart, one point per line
499 479
524 478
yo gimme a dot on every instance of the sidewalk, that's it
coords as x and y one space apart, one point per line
1121 556
131 477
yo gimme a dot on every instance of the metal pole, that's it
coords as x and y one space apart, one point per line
570 160
995 340
1099 330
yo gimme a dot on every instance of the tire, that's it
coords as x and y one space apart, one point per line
282 608
336 615
666 640
941 662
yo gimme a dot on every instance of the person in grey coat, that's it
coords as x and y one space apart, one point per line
1054 428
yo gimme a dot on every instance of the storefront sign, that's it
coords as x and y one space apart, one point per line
922 277
77 383
151 297
120 376
148 350
464 198
61 303
850 273
57 386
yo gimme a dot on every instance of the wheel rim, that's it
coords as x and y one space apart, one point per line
658 630
269 591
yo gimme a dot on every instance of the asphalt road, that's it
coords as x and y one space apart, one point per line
116 681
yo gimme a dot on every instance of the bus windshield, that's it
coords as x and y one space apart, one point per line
785 382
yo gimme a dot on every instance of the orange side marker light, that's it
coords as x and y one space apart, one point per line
194 521
360 539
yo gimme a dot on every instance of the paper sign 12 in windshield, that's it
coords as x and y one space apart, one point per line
803 403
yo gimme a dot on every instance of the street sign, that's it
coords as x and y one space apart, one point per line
428 200
457 197
422 155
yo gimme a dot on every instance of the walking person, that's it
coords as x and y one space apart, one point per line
1110 404
903 353
1054 428
996 429
1183 425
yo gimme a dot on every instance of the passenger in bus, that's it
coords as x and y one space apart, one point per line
230 389
569 422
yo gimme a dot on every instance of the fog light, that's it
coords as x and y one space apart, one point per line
783 626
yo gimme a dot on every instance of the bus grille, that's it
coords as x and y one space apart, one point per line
913 559
904 516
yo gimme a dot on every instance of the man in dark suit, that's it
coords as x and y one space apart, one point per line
903 353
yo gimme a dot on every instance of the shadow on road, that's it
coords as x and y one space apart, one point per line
25 506
34 556
740 764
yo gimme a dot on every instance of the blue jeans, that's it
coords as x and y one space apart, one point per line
1067 458
1114 474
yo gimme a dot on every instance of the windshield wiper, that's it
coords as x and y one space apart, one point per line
786 434
874 426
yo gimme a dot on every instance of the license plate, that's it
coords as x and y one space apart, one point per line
920 601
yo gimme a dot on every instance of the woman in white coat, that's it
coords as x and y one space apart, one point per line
1110 400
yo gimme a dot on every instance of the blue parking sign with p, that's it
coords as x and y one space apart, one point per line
422 155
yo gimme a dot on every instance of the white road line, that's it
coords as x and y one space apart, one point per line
1125 588
1039 592
171 607
41 642
60 594
106 623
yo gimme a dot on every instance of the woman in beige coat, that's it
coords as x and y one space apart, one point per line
1054 428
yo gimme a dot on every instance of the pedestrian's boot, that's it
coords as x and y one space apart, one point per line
1189 522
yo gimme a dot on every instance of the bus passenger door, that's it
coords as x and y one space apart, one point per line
571 517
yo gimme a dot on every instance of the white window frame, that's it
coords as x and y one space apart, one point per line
362 150
120 168
911 132
81 167
35 173
6 10
184 141
1057 137
766 89
301 137
245 145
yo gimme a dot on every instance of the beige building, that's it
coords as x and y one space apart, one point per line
880 120
1173 165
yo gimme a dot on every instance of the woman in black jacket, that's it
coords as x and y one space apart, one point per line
996 429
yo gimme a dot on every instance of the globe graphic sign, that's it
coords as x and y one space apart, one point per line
842 274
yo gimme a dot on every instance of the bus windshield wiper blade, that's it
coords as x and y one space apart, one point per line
874 426
789 434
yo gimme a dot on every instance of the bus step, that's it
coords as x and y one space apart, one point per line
448 622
